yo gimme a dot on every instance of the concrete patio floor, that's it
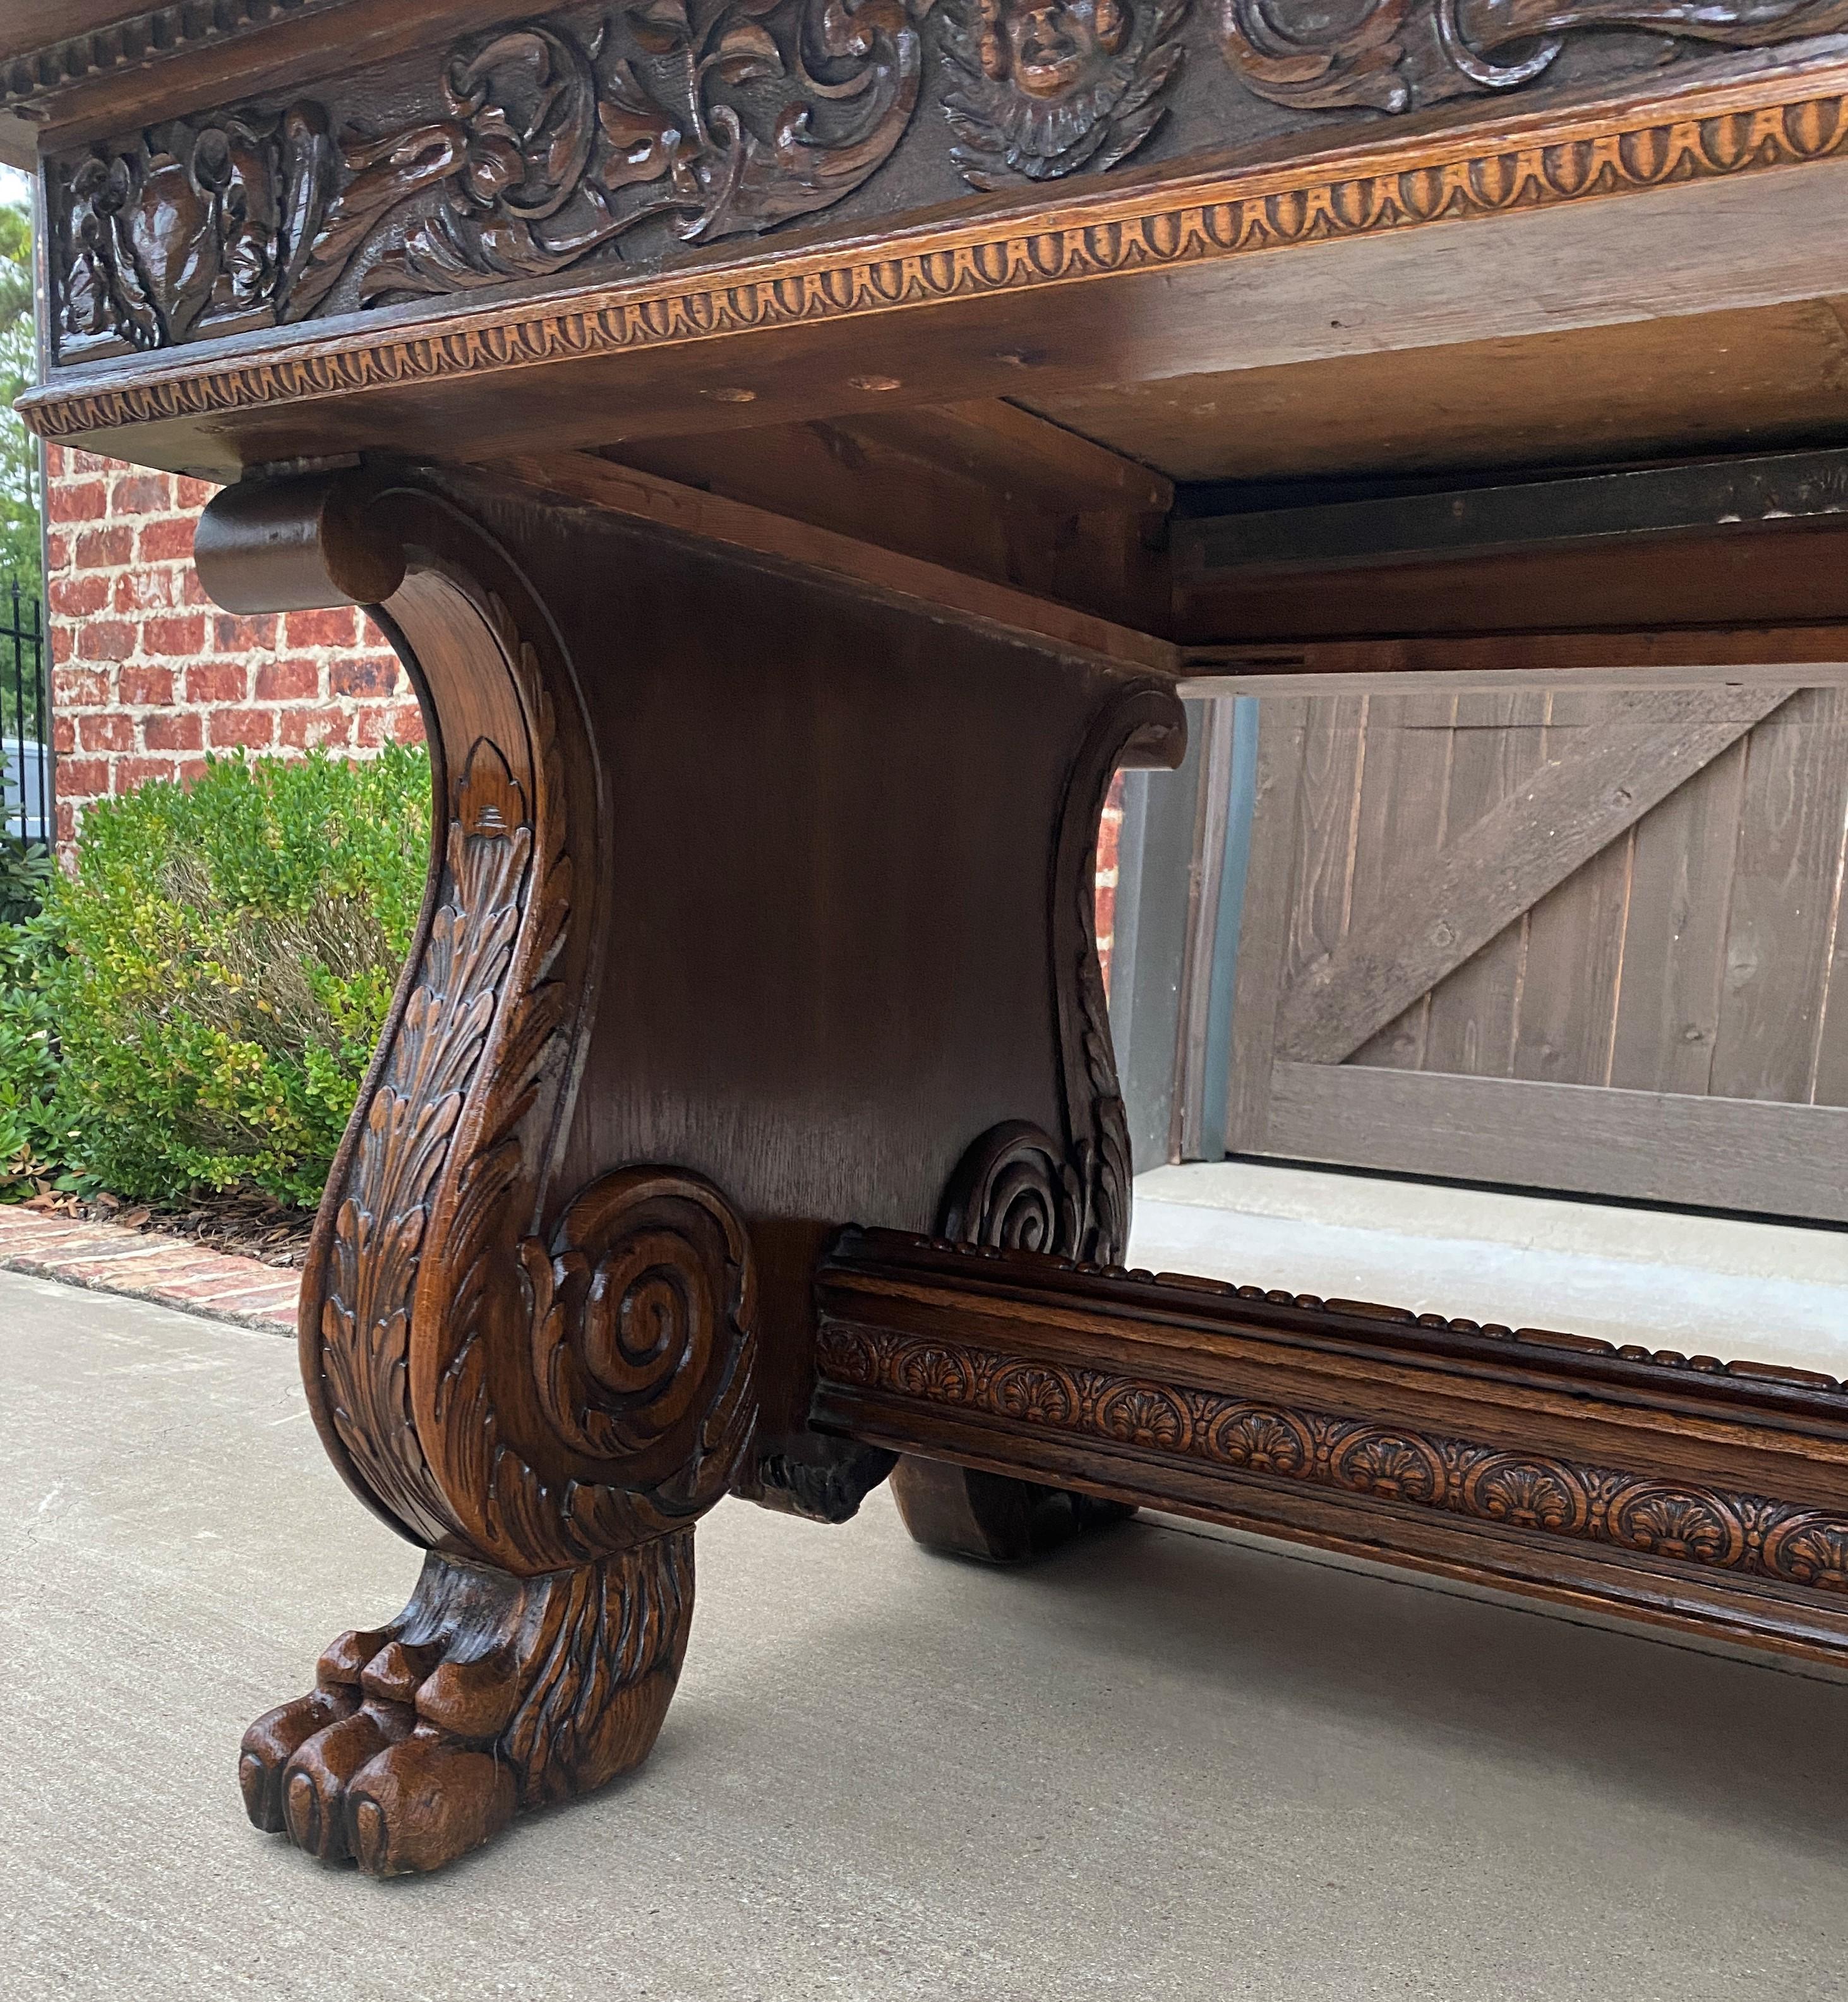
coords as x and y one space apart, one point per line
1162 1765
1730 1286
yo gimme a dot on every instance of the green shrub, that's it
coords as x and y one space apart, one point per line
226 955
28 1053
25 876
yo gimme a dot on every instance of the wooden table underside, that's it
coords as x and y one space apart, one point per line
761 899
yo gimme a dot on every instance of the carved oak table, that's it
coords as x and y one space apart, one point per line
670 379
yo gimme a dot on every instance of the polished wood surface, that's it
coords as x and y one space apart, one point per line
766 902
1685 1492
741 419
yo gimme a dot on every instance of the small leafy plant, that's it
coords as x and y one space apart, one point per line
28 1047
218 969
25 872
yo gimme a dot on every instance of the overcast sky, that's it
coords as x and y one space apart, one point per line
14 186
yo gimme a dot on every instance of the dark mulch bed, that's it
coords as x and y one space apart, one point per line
244 1226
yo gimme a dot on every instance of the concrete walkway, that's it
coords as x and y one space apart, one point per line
1162 1766
1704 1286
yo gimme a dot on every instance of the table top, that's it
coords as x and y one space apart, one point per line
305 228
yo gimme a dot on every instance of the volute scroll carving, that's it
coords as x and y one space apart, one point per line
511 1391
1397 55
545 1396
1018 1188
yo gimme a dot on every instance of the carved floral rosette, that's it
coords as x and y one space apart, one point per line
1532 1494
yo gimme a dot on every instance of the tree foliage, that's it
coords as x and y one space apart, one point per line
19 546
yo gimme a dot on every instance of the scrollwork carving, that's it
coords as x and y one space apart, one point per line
535 1404
1573 158
643 1322
199 228
1045 87
1014 1189
1018 1188
1396 55
713 118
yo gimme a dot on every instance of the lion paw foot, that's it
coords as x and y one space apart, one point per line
492 1693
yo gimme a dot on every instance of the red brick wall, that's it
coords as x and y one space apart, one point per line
148 675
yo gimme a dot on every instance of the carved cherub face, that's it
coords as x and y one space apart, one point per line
1050 47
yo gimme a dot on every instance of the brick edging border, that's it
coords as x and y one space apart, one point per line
150 1265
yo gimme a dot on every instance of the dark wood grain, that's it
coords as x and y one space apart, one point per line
689 986
1690 1492
820 330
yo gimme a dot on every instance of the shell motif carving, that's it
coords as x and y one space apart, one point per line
1396 1466
1038 1396
1810 1550
1528 1494
1679 1523
1264 1442
1144 1415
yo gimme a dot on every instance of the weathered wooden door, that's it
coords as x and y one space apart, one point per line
1572 940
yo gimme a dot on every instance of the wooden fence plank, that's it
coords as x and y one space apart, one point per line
1484 879
1831 1084
1675 943
1403 823
1269 897
1575 965
1777 943
1326 804
1788 1160
1472 1012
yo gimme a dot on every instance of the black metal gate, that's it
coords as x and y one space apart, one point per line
26 778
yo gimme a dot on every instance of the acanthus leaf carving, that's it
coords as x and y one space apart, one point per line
383 1219
1397 55
1043 88
715 118
200 227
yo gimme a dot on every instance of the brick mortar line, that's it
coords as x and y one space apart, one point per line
78 1272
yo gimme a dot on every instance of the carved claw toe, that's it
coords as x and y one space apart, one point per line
424 1802
315 1780
492 1694
274 1740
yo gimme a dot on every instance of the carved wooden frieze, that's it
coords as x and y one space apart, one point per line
1042 89
1396 55
1685 1523
587 141
707 118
